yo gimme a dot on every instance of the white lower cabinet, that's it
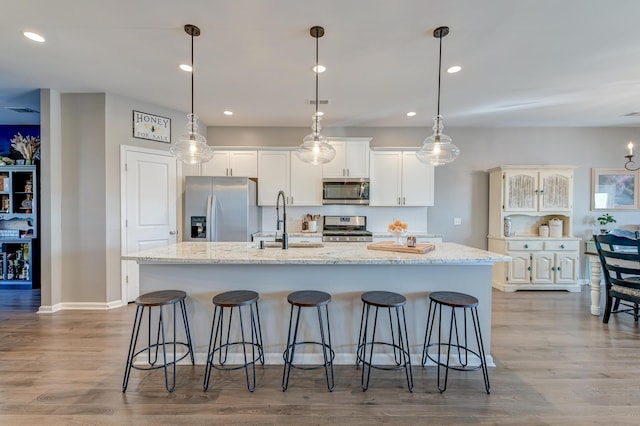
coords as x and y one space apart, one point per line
537 264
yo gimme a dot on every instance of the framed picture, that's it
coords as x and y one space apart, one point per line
152 127
614 189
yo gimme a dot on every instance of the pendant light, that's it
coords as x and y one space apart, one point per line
192 147
315 149
437 149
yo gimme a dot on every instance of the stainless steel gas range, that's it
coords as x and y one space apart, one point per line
346 229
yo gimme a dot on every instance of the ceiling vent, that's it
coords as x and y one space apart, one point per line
320 102
22 109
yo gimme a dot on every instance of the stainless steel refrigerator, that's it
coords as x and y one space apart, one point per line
220 208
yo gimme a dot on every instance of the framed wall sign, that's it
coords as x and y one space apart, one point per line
152 127
614 189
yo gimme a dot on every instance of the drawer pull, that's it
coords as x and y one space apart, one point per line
526 246
561 246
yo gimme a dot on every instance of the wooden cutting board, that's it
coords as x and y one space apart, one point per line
390 246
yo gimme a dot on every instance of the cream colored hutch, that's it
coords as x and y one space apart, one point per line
521 198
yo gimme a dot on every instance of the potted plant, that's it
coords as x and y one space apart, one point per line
603 220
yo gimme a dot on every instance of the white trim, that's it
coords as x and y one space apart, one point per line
80 306
124 149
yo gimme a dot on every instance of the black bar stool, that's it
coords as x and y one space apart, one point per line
235 299
467 303
401 356
304 299
160 299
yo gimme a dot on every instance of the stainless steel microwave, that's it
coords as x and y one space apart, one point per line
345 191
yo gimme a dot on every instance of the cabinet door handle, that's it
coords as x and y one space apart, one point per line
553 268
526 246
172 232
561 246
398 200
226 171
404 201
558 268
348 172
231 171
528 268
344 172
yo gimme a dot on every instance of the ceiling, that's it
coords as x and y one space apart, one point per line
524 63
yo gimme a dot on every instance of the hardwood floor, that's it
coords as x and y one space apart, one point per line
556 364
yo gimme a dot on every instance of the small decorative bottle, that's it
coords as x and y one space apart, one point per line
508 227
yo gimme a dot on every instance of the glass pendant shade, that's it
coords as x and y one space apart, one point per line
191 148
437 149
315 149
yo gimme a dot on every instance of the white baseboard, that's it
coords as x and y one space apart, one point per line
340 359
76 306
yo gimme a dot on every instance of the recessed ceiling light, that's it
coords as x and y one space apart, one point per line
454 69
228 112
34 36
186 67
411 113
319 68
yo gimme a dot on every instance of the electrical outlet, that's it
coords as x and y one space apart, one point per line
457 221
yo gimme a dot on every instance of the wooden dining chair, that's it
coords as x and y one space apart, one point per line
620 259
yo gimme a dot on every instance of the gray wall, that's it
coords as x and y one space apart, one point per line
81 135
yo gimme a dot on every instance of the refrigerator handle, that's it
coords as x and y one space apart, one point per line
211 218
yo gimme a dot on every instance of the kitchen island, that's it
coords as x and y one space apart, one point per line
345 270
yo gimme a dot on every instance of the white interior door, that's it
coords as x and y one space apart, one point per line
149 207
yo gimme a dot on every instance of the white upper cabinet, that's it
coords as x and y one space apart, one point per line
232 163
273 176
306 183
351 160
398 178
282 170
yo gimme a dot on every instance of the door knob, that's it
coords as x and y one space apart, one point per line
172 232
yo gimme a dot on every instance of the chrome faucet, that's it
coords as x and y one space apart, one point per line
285 237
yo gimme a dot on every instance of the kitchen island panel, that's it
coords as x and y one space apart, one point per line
345 282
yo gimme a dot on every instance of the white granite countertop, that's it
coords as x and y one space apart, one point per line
319 234
351 253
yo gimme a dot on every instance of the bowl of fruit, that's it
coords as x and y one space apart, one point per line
398 229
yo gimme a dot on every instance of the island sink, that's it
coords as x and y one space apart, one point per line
294 245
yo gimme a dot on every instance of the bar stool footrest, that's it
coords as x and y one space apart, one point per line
153 365
361 347
223 367
461 348
313 367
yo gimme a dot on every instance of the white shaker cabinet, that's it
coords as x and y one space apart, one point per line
282 170
232 163
306 183
351 160
398 178
273 175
